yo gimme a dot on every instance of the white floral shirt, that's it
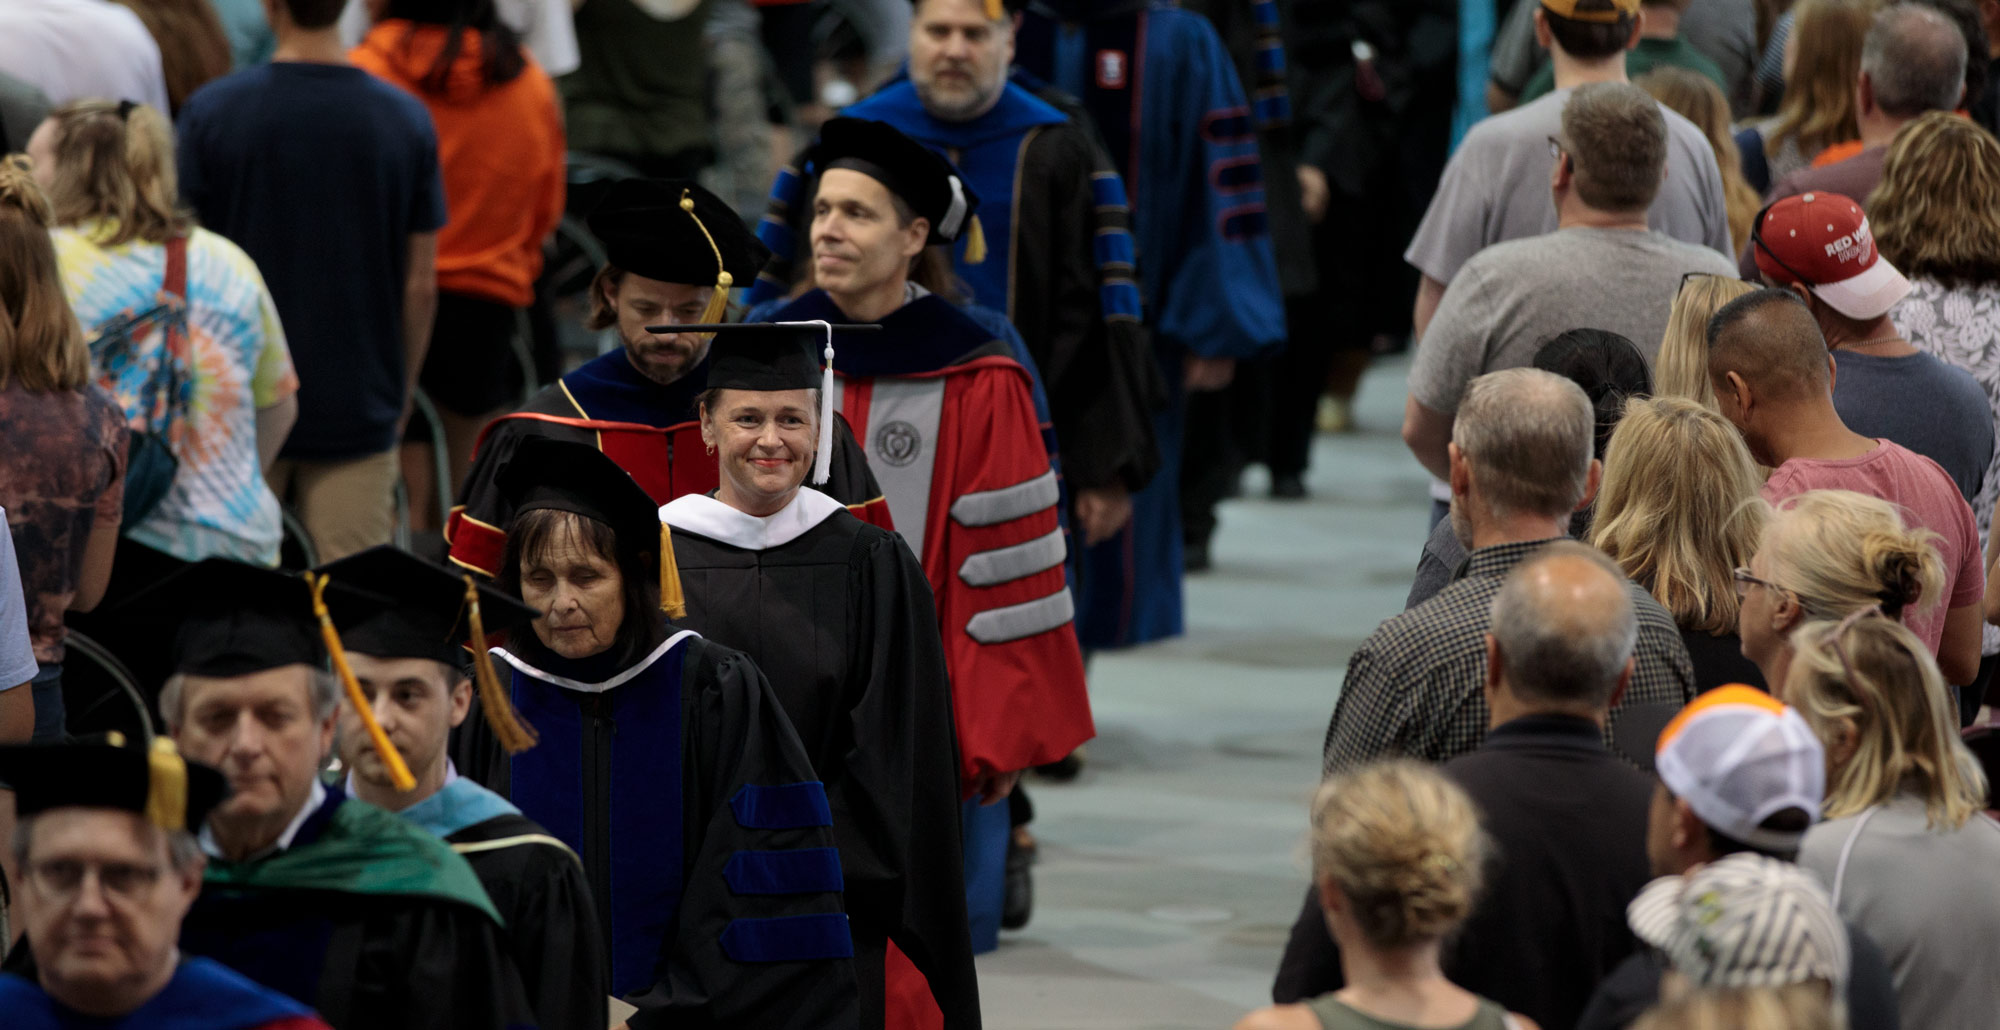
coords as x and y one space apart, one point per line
1962 327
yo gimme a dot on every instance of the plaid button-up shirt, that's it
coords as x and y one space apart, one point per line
1416 686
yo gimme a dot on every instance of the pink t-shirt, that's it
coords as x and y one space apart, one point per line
1929 500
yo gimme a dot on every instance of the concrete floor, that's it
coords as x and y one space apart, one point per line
1172 869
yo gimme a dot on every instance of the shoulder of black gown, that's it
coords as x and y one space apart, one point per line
453 968
507 832
553 933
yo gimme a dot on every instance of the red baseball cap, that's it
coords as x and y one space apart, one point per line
1822 240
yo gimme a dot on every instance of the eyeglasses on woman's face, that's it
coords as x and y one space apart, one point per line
1745 579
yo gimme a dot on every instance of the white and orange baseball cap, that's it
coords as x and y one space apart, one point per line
1738 756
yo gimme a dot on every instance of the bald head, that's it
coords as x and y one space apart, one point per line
1564 626
1769 339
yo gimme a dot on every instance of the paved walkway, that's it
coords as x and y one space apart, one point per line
1173 868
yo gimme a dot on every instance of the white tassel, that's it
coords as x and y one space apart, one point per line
823 462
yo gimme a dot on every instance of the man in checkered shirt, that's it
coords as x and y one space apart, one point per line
1520 464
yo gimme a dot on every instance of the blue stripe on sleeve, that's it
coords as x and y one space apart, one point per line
1119 298
1272 110
1271 60
801 871
1266 12
1107 190
1113 248
786 806
788 939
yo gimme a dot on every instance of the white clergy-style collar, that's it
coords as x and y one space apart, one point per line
705 516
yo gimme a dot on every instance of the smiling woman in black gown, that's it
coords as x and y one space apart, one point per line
838 614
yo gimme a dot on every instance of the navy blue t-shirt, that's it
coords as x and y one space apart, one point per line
1932 408
321 173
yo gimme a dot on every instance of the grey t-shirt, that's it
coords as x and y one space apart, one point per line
1922 403
1512 297
1496 188
1926 897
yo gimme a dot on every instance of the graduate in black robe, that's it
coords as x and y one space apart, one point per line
839 616
411 660
353 911
664 240
666 763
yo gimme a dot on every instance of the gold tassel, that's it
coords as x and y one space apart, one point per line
975 241
399 771
995 10
718 302
512 731
672 601
167 786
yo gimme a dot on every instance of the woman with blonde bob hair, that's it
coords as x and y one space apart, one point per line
1681 369
1906 850
1397 854
62 472
1678 511
1827 554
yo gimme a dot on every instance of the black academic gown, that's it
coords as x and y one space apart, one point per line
652 431
537 884
374 959
838 614
704 833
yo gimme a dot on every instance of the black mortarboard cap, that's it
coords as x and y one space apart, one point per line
236 619
426 615
646 231
578 478
430 614
767 357
104 772
921 176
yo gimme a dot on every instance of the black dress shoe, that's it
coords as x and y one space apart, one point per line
1019 901
1288 487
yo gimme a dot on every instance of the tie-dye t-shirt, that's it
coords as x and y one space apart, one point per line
219 505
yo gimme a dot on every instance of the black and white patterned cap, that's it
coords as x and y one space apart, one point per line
1745 920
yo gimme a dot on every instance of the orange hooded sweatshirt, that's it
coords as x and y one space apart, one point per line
501 151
